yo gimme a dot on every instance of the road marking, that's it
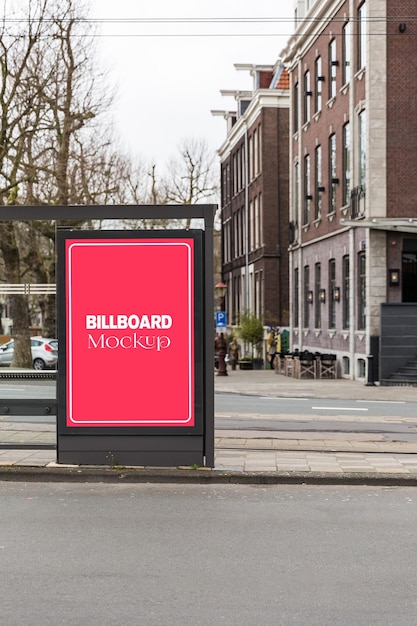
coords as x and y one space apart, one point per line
336 408
283 398
382 401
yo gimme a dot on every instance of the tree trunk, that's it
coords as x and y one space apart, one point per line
22 356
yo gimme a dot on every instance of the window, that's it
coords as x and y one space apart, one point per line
306 298
255 153
226 246
331 289
256 218
260 221
362 149
259 149
318 80
235 180
362 33
295 108
239 169
250 150
332 69
317 302
243 173
361 291
346 164
307 97
296 297
346 291
332 173
307 189
251 233
318 182
296 188
346 52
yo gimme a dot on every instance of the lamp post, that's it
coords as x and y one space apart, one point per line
220 344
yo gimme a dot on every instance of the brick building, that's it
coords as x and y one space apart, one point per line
254 198
353 174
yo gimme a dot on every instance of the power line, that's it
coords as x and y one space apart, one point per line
146 21
208 20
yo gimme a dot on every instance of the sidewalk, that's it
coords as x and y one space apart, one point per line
248 456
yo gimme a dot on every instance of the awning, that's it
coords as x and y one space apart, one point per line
405 225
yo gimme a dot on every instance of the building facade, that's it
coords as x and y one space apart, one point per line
353 174
254 198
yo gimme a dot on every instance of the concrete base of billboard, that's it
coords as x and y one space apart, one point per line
159 451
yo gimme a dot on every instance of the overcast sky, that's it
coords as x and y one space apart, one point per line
168 85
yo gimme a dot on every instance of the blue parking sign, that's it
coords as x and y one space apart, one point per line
220 320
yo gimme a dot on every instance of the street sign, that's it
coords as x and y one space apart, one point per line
220 321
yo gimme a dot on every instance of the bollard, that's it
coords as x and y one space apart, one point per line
221 350
370 382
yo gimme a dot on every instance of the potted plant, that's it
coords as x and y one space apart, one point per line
251 331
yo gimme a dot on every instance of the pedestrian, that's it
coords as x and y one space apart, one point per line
272 353
233 352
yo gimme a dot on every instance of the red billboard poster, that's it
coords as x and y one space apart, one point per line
130 324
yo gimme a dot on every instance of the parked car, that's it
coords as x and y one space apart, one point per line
44 353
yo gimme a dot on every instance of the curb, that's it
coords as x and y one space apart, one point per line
202 476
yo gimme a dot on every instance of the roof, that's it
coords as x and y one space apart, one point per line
281 79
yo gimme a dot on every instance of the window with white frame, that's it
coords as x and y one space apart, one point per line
332 69
307 189
260 220
362 149
346 163
250 150
347 53
332 173
255 153
362 35
331 290
307 97
317 301
235 185
256 219
296 189
306 299
361 291
318 183
259 148
251 234
318 81
346 291
296 299
295 108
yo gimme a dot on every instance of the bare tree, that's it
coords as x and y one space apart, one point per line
191 175
48 95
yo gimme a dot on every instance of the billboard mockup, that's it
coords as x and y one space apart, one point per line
132 357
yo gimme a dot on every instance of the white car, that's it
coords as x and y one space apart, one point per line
44 353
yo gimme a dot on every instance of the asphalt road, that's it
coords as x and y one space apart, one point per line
255 405
180 555
398 420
